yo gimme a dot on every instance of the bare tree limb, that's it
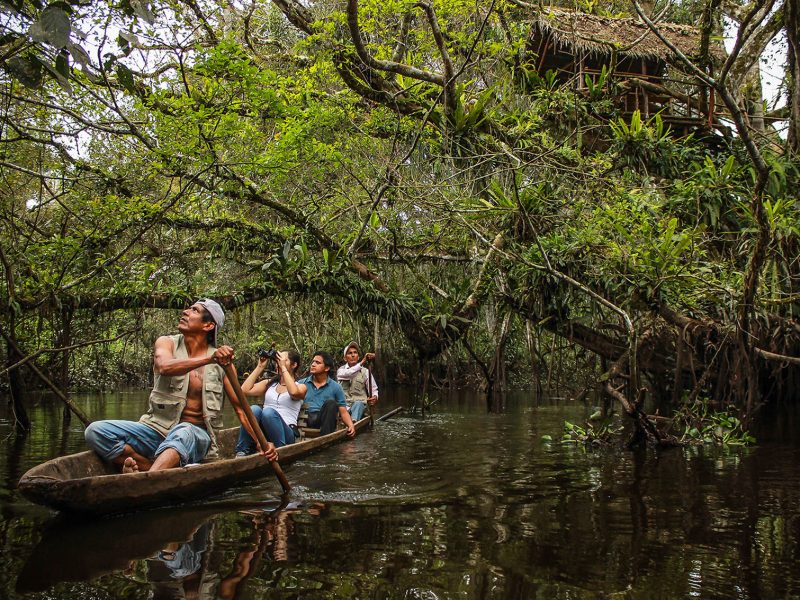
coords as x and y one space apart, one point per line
384 65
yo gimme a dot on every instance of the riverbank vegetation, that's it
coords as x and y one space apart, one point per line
412 176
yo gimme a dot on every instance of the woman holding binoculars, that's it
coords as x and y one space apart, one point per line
278 415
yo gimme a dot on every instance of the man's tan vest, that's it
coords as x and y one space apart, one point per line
356 388
168 398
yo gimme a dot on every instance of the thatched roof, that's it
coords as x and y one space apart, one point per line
629 36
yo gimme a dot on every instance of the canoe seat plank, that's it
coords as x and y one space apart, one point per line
307 432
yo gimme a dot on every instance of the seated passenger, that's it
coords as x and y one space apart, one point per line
278 415
324 396
357 382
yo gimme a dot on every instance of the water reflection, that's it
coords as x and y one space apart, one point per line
81 550
197 568
176 552
180 570
457 505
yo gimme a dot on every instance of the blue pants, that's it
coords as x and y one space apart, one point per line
272 424
108 439
357 410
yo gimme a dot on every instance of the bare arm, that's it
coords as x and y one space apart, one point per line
345 416
166 364
251 385
296 390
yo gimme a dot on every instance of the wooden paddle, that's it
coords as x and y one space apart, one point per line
390 414
241 399
369 394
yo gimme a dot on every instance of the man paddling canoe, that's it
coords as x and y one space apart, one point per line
186 403
360 387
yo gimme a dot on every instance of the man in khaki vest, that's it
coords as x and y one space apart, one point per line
185 410
360 387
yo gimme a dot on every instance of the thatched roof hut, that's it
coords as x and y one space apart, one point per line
572 31
577 46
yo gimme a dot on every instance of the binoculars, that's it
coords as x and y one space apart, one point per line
270 354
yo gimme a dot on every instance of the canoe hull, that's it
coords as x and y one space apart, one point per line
83 483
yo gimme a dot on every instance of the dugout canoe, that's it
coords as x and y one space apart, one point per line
83 483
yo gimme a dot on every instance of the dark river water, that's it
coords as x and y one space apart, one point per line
458 504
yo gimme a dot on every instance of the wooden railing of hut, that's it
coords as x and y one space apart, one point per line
683 103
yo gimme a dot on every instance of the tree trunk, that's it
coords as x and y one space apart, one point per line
497 370
16 387
64 339
792 19
532 342
426 375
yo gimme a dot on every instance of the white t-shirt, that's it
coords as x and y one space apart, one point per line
286 406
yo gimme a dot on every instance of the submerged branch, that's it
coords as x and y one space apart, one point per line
46 380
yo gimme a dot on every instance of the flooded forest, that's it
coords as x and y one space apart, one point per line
583 218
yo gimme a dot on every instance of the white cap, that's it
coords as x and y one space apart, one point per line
217 314
350 345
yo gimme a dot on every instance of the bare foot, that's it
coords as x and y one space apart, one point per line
130 466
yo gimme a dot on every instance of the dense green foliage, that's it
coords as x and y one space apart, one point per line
421 186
